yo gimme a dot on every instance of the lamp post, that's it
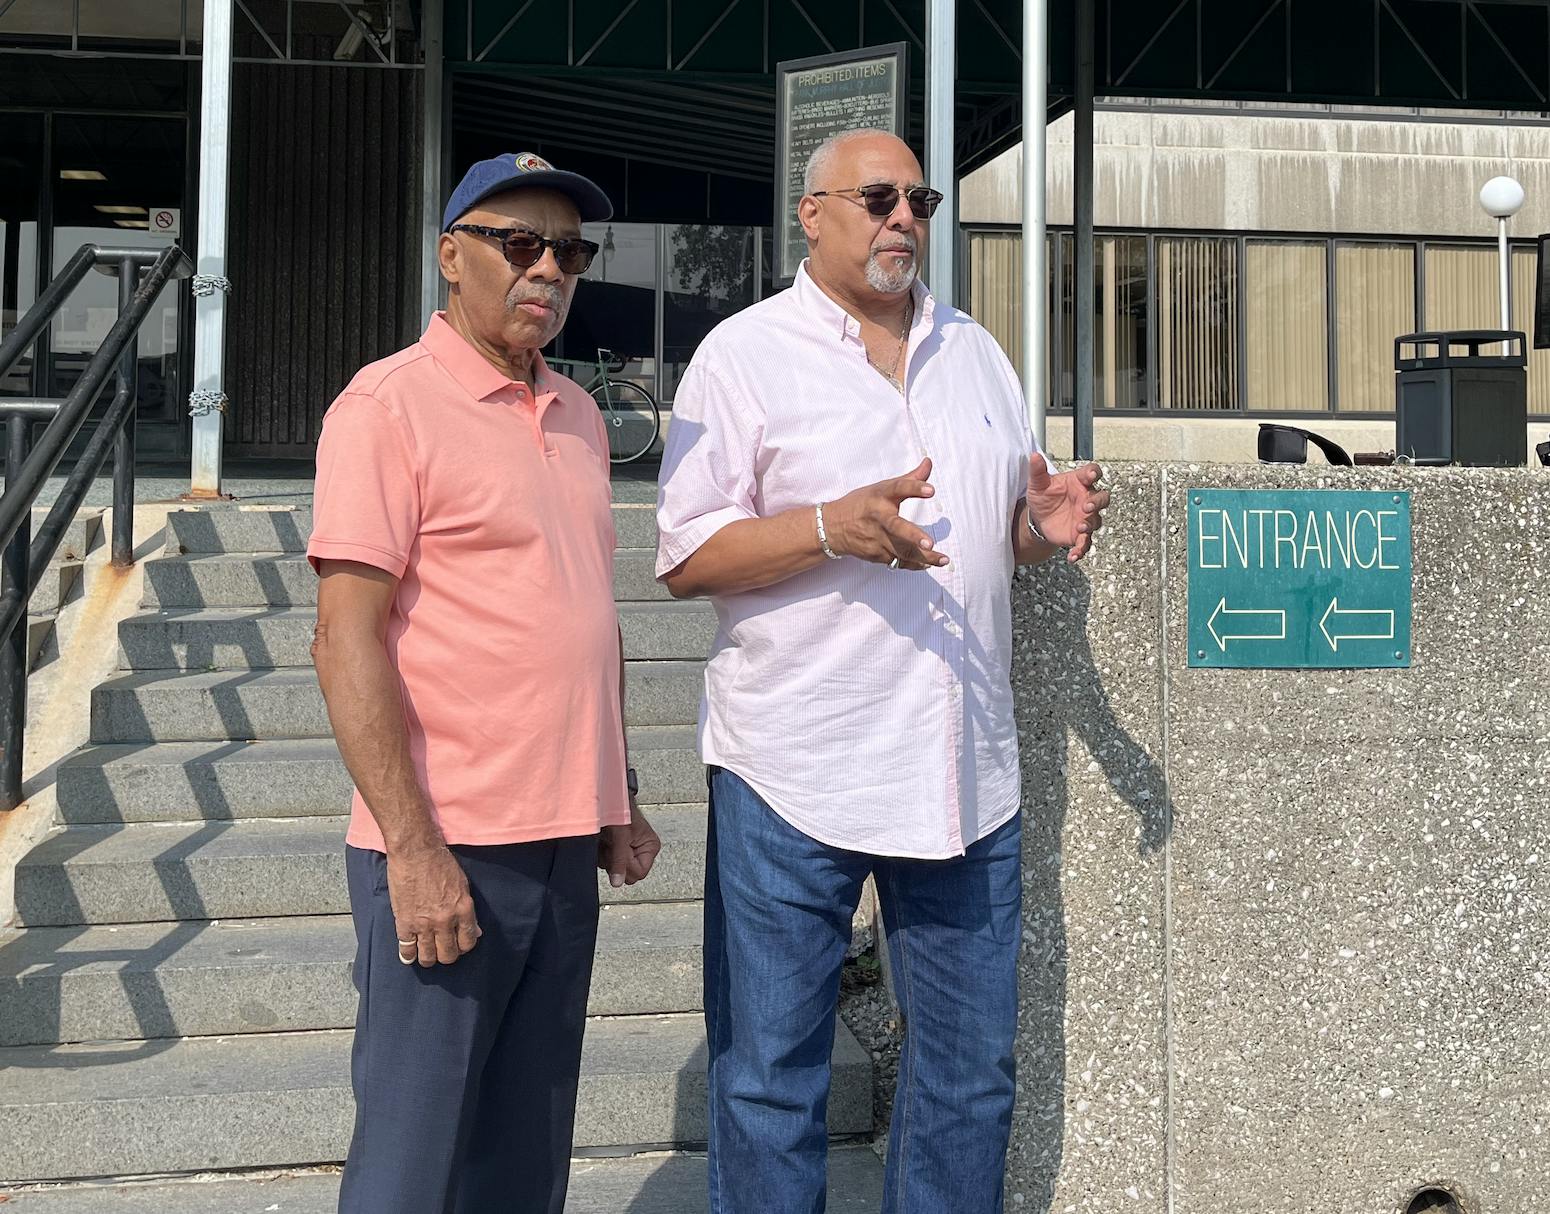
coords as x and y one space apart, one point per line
1502 197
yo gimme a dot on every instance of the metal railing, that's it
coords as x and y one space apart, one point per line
141 274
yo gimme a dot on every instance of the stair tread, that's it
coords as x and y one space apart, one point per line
142 842
179 754
642 1184
235 944
615 1048
167 842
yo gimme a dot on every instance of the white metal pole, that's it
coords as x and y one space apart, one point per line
941 163
1035 286
431 196
1506 274
207 402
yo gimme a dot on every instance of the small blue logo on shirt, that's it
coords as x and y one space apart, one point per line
987 420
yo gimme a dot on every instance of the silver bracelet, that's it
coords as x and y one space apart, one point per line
1033 528
823 537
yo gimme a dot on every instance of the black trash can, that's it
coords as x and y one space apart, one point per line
1457 405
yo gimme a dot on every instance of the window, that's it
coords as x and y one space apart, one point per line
1197 322
707 276
996 293
1524 267
1120 319
1286 325
1374 304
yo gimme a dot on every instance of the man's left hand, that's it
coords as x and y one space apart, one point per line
1067 508
626 853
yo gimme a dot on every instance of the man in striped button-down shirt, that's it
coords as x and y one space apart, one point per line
850 477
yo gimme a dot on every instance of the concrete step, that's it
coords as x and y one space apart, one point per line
667 762
246 705
238 529
162 706
207 979
640 1184
79 537
670 631
218 638
663 693
204 781
58 580
305 777
635 525
149 873
287 580
635 577
265 638
212 870
218 580
273 1100
38 629
234 529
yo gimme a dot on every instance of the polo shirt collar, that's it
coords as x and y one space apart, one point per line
474 373
813 302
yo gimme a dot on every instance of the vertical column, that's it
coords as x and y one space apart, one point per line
432 103
941 162
1035 342
207 402
1082 183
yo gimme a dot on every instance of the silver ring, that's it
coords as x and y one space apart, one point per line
405 943
893 564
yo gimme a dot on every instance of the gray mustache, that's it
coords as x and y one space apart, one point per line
903 239
549 297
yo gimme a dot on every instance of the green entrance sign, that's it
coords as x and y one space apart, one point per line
1299 578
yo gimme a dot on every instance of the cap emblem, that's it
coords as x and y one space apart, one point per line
530 163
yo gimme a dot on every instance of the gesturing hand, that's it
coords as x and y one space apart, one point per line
432 908
1068 508
866 522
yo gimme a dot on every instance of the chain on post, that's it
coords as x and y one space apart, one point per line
202 401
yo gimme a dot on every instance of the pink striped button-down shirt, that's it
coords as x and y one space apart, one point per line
871 708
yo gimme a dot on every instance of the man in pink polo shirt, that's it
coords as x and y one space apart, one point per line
469 650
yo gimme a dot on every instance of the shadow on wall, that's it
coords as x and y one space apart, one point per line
1055 654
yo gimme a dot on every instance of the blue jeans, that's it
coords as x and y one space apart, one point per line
778 909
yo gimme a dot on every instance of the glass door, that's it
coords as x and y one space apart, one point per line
21 176
118 181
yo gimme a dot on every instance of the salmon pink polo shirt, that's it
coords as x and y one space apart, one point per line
491 506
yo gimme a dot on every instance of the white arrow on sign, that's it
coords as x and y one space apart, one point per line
1272 625
1340 624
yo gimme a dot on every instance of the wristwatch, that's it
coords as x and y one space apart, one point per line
631 781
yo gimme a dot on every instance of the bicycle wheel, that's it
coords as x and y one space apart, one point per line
631 417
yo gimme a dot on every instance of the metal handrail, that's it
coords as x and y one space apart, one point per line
142 273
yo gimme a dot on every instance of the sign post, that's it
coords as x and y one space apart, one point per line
1299 579
816 99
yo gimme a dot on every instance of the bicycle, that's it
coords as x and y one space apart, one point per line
630 413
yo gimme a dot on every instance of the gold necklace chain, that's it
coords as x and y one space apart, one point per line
898 353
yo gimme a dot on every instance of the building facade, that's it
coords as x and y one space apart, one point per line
1251 263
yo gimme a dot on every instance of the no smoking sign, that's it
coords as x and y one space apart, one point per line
167 221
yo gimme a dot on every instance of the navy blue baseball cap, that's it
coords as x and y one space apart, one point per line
522 170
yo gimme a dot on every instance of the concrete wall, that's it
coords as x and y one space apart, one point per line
1230 439
1287 933
1272 173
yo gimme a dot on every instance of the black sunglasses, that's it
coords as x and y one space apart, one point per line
523 249
881 199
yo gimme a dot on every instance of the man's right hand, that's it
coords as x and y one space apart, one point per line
432 908
866 523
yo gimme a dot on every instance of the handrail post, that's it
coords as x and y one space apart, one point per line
13 647
124 445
